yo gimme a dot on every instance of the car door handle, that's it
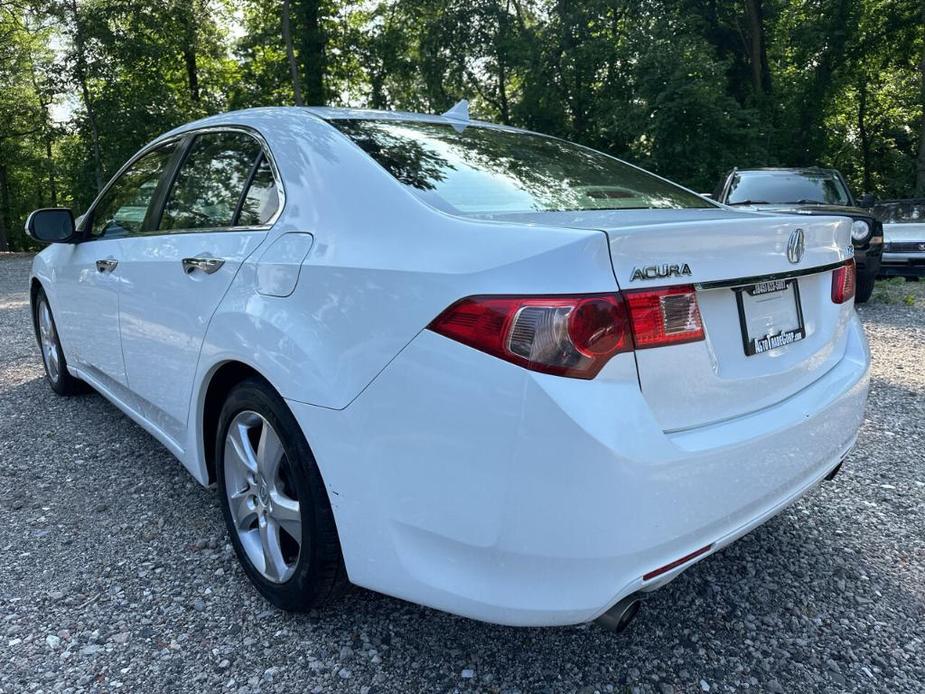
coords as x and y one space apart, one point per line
207 265
106 264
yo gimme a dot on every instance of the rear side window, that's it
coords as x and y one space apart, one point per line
211 181
125 206
480 170
262 199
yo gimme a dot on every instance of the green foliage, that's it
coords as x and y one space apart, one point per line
687 88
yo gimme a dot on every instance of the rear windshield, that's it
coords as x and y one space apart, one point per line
480 170
804 188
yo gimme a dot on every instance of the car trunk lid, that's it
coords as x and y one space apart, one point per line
738 264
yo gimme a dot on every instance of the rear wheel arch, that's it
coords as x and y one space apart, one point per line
261 495
35 286
221 382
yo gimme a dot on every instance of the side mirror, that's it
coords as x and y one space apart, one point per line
867 200
52 225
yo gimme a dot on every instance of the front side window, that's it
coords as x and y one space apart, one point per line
483 170
210 182
787 187
125 206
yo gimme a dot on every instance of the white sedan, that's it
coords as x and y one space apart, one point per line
466 365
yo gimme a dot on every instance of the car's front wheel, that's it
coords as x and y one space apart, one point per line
274 501
59 378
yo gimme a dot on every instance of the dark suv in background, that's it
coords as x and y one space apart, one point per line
813 191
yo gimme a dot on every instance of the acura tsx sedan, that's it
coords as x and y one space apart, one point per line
466 365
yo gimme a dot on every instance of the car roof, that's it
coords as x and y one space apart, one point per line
335 113
786 170
277 114
331 113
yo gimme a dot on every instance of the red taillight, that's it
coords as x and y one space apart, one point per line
566 336
844 281
665 316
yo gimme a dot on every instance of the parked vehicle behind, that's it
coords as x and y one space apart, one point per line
903 237
470 366
810 191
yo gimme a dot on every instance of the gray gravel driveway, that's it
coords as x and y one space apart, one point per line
115 572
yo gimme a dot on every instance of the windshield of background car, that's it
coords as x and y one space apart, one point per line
480 170
901 212
775 187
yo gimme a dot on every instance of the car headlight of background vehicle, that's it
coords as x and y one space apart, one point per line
860 230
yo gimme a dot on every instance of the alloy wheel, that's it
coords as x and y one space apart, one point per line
262 497
49 342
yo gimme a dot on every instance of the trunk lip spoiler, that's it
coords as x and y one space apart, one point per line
755 279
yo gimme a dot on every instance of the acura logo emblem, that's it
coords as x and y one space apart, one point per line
795 246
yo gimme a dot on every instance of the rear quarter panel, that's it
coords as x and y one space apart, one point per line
382 265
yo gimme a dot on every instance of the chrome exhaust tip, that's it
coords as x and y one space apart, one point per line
618 618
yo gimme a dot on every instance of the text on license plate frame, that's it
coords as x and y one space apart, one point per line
759 345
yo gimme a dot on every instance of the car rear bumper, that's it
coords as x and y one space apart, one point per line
468 484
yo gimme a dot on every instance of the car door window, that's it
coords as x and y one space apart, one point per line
126 204
210 182
262 199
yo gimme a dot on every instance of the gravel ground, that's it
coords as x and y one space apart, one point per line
116 573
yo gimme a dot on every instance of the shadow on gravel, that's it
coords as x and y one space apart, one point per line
800 599
786 599
895 390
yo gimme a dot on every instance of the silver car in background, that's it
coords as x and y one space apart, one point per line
903 237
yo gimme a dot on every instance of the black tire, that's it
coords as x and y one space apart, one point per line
56 373
865 289
318 575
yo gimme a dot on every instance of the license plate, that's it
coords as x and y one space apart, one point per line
770 315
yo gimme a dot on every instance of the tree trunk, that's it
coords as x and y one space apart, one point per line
920 178
503 106
501 42
4 209
290 56
863 134
46 136
192 69
311 53
807 141
52 185
81 74
571 91
757 47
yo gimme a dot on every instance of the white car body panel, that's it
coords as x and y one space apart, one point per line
164 313
435 519
88 312
459 480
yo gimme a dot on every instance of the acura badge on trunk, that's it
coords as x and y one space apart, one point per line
795 246
651 272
